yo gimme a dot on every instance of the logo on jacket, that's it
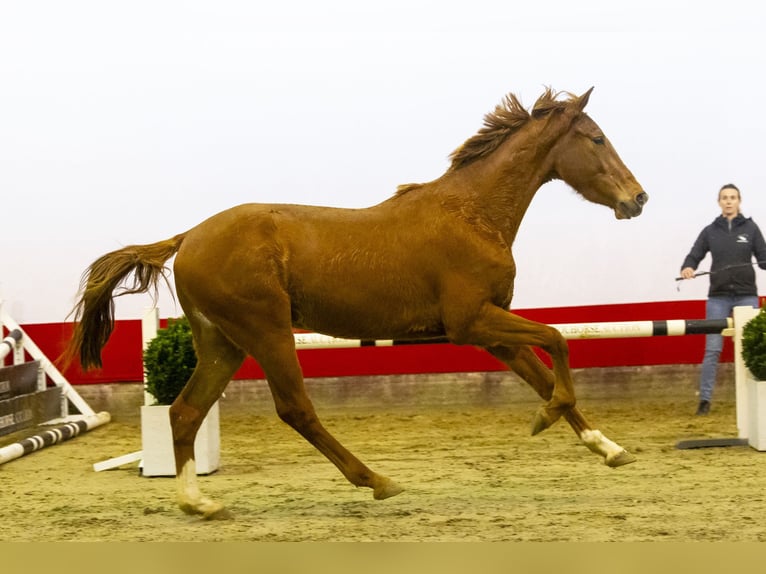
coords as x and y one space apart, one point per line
741 238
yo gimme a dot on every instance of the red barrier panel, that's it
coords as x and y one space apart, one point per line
122 355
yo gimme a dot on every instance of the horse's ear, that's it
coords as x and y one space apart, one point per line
582 101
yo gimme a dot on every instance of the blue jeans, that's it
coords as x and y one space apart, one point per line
718 308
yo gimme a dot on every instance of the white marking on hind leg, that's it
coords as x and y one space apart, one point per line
614 455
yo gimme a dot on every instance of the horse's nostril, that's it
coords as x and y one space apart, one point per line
642 198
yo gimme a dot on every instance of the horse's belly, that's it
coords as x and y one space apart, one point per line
365 316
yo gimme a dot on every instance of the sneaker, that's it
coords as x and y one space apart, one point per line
703 408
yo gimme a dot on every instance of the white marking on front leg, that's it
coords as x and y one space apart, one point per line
190 498
599 444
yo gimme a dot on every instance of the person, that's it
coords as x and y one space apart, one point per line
732 240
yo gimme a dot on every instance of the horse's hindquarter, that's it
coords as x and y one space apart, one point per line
358 273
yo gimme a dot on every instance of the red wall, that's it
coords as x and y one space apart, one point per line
122 355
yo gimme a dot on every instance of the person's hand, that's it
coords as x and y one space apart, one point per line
687 273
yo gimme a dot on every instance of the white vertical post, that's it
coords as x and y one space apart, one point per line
18 348
18 354
741 316
150 324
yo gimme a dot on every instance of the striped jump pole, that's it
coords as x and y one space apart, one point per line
612 330
9 343
52 436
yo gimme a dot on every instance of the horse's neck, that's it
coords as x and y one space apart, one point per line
496 190
498 196
503 184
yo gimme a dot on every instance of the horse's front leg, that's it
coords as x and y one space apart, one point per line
527 365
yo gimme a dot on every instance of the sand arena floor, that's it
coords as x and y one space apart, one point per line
460 446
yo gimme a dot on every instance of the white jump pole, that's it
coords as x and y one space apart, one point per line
612 330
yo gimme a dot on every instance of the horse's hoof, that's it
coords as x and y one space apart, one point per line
386 489
220 514
620 459
541 421
207 509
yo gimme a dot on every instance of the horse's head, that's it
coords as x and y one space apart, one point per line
584 158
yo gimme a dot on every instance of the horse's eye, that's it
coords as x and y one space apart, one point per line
598 140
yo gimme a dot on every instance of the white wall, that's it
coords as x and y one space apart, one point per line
129 122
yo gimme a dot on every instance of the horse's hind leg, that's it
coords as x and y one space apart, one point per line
527 365
217 360
275 353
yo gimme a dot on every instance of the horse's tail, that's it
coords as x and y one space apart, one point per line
94 311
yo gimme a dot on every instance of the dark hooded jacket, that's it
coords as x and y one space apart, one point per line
732 246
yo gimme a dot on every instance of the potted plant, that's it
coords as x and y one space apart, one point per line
169 360
754 356
754 345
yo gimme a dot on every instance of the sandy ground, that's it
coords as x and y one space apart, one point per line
460 446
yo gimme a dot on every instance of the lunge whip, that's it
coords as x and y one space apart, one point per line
701 273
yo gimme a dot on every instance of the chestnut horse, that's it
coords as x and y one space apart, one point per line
432 261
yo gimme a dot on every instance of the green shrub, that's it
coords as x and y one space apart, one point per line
169 360
754 345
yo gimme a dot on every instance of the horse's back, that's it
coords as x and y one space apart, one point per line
341 270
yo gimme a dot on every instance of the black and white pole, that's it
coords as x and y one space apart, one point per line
612 330
52 436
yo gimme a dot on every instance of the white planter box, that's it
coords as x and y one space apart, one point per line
756 416
157 442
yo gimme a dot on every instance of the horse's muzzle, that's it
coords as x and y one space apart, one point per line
633 208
